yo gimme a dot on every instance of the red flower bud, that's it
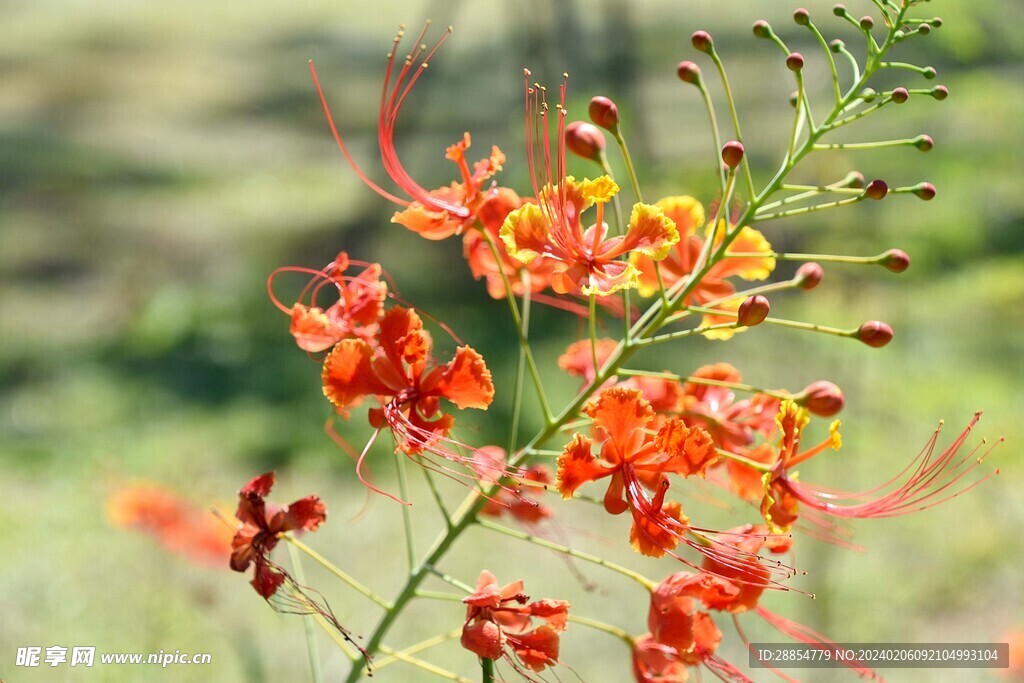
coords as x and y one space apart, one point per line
762 29
876 189
925 191
875 333
585 140
688 72
795 61
753 311
940 92
732 153
900 95
802 17
822 398
895 260
808 276
702 41
604 113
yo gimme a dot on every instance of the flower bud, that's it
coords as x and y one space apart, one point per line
895 260
702 41
854 179
940 92
822 398
839 10
794 98
875 333
808 276
868 94
732 153
900 95
929 72
924 143
795 61
925 191
688 72
924 29
867 23
753 311
876 189
936 22
604 113
802 17
836 46
585 140
762 29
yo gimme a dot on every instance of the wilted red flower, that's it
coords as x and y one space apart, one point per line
354 314
731 423
435 214
633 460
178 525
500 624
260 525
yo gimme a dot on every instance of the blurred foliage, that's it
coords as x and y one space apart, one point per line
158 161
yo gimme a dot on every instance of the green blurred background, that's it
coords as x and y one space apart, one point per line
158 161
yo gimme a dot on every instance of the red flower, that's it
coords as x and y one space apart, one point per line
435 214
633 459
673 615
259 528
654 662
359 304
502 619
743 568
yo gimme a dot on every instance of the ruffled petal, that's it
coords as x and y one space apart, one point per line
525 233
650 233
431 225
306 513
686 212
690 450
483 638
537 649
649 535
749 241
313 330
620 413
465 381
577 466
348 375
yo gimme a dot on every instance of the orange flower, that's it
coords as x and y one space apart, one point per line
259 528
359 304
673 616
586 259
433 214
633 459
178 525
478 253
654 662
743 567
578 359
502 619
688 216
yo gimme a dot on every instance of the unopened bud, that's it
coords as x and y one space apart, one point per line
900 95
822 398
854 179
604 113
808 276
924 29
795 61
839 10
868 94
895 260
688 72
940 92
924 143
876 189
836 46
867 23
802 17
753 311
929 72
794 98
585 140
732 153
936 22
762 29
702 41
875 333
925 191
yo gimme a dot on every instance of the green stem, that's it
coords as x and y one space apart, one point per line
418 647
732 112
403 488
307 621
601 626
487 670
436 493
517 389
346 578
566 550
